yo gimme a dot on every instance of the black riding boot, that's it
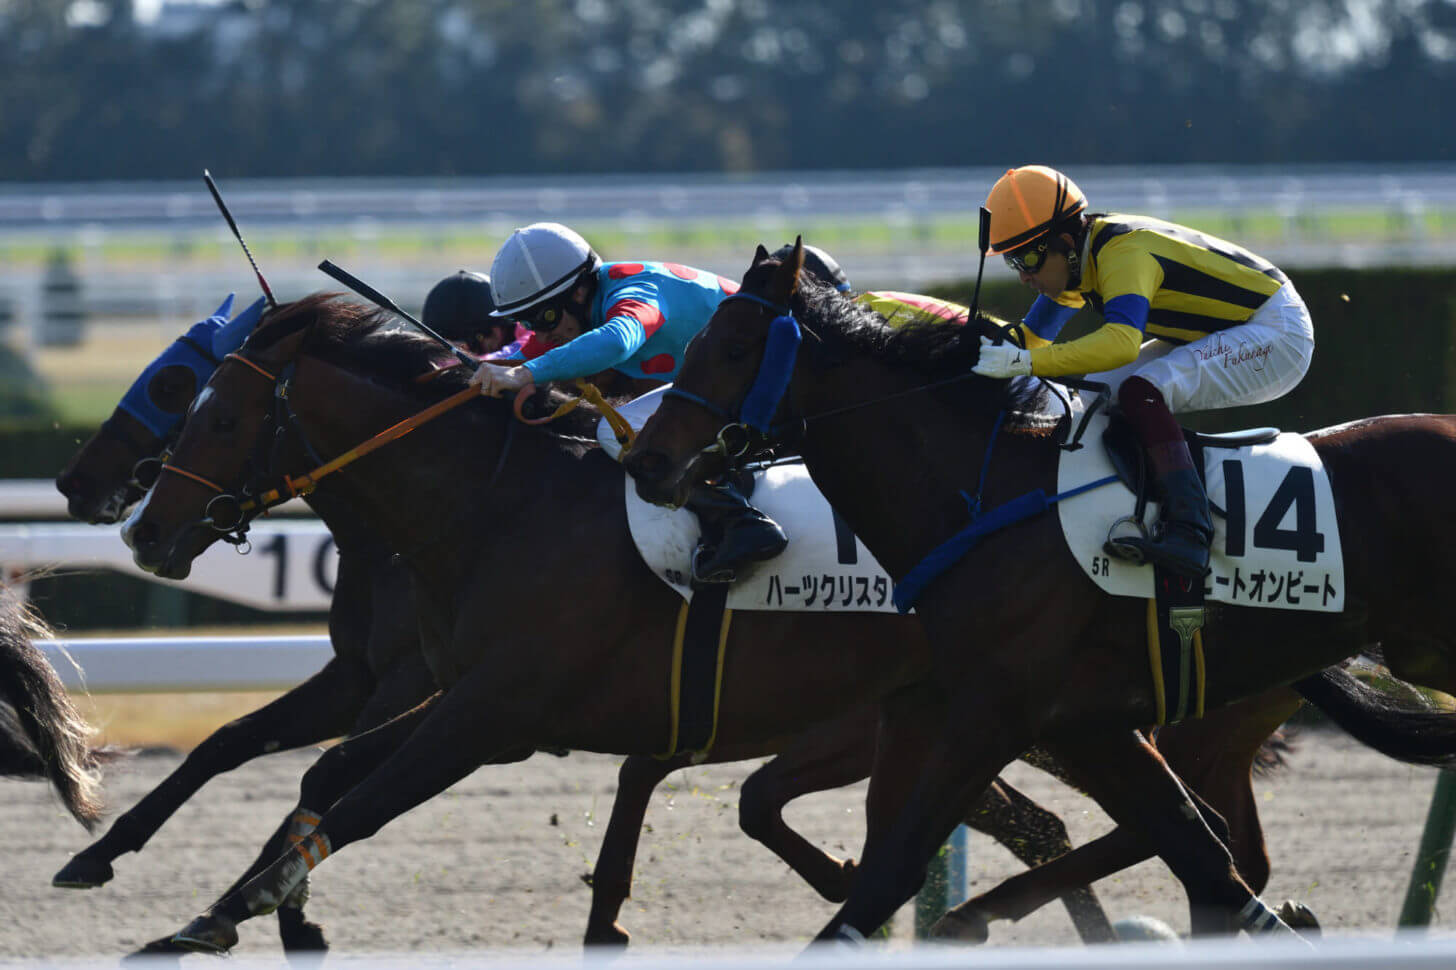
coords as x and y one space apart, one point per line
1184 531
733 533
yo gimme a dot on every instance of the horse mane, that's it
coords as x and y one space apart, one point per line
926 344
371 342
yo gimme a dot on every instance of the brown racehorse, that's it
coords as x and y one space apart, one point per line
590 677
1027 649
375 636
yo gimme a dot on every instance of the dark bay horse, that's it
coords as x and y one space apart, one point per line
1027 650
373 598
476 572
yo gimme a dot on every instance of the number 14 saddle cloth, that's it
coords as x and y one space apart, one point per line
1276 543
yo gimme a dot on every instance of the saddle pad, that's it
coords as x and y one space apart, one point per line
825 568
1276 542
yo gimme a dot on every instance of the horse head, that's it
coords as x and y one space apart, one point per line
116 465
732 381
225 452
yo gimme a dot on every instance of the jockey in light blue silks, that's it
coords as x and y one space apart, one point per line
589 316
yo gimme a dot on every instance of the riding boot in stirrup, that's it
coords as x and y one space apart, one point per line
1182 536
733 533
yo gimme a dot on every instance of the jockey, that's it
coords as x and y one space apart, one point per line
637 318
459 308
1230 329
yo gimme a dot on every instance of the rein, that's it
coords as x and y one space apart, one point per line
294 487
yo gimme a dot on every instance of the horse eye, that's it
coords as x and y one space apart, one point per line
735 350
224 424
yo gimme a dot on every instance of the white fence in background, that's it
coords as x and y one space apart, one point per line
291 565
182 664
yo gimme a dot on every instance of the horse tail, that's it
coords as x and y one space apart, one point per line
42 735
1418 737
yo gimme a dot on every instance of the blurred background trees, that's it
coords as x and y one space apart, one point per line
111 89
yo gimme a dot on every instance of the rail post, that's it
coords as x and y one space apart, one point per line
1431 858
945 882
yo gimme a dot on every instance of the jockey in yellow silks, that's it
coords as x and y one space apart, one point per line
1229 330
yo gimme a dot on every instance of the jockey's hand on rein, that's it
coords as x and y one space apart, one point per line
496 380
1002 360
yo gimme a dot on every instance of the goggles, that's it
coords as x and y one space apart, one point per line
1029 258
543 319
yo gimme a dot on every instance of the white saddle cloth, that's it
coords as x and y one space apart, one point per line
825 568
1276 542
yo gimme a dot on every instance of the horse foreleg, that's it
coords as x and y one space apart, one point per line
322 707
335 772
968 749
829 755
1036 837
611 880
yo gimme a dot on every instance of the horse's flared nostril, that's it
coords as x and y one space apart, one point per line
142 536
647 466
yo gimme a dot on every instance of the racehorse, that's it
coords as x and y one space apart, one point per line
478 574
378 669
42 735
895 432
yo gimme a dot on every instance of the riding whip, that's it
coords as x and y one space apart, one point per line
379 299
222 207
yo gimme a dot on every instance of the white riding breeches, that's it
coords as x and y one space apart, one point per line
1255 361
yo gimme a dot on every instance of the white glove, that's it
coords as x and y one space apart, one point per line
1002 360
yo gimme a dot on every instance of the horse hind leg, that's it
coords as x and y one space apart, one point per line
829 755
1036 837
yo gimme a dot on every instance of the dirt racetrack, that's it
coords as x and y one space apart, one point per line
497 861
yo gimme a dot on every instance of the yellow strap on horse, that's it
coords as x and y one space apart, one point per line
303 484
624 431
591 395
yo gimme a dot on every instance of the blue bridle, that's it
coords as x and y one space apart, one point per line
761 402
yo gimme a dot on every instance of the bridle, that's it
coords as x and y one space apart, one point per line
230 513
748 425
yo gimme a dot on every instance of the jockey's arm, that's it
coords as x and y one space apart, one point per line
596 350
1111 345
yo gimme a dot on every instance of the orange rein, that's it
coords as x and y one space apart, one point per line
305 483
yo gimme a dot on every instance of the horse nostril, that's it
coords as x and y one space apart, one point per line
647 466
143 535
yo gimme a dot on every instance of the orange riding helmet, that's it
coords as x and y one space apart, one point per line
1027 202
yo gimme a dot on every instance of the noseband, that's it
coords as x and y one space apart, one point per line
227 512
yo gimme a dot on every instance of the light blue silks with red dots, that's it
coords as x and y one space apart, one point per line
199 349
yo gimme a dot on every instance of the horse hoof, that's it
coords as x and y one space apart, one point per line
208 934
1300 918
83 873
298 934
151 955
964 924
610 939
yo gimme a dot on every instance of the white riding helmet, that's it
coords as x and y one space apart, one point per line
538 262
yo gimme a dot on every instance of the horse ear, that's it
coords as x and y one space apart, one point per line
786 277
760 255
